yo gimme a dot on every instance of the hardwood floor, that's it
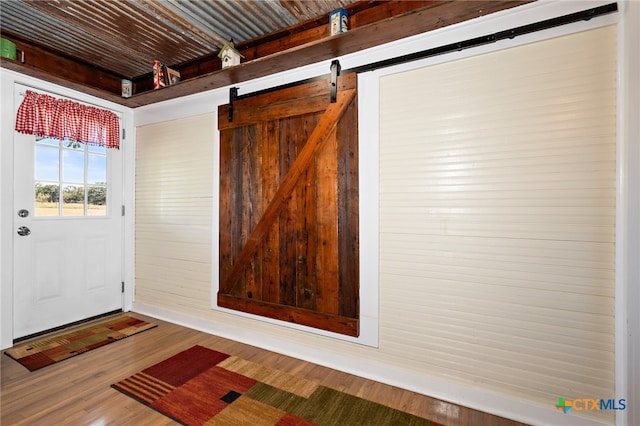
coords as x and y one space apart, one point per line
77 391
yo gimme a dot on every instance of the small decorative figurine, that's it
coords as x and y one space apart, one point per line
158 75
127 88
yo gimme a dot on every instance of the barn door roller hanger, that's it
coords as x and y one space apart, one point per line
335 73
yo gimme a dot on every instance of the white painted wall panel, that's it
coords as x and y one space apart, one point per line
174 178
497 218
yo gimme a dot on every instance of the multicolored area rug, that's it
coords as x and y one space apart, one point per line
55 348
202 386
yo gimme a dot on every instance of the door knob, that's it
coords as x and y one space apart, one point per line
23 231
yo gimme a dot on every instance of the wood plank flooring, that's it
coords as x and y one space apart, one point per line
77 391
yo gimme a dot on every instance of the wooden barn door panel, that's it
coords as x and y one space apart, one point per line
289 206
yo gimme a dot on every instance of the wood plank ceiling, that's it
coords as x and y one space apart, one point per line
91 45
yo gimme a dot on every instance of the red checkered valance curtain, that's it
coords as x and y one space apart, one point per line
46 116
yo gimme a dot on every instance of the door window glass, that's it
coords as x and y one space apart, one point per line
70 178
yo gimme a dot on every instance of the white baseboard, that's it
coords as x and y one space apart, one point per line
478 399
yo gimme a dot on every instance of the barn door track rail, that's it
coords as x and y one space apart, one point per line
335 71
584 15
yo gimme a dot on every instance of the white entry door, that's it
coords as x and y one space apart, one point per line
67 231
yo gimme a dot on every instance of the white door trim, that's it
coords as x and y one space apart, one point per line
8 79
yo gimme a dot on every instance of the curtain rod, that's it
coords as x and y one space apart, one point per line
584 15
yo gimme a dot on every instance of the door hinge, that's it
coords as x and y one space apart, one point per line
123 210
122 286
123 134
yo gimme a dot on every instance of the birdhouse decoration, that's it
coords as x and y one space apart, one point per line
229 56
338 21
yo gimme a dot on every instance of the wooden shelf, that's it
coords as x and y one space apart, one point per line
438 15
431 17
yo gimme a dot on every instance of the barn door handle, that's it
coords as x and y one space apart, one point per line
23 231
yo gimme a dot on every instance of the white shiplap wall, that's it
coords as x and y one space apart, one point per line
450 308
497 218
173 211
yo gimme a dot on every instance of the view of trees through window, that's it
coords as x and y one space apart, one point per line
70 179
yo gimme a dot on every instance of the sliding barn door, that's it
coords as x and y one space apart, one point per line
289 206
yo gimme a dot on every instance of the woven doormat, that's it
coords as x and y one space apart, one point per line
58 347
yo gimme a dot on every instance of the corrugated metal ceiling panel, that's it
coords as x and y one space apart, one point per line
124 37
